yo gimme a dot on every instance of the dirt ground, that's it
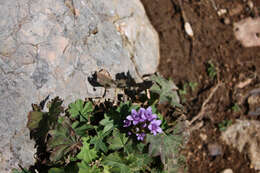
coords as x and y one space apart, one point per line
235 72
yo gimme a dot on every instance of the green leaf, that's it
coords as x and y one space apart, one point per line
88 108
61 142
138 162
85 168
211 70
167 147
133 162
38 125
75 108
58 152
86 154
166 90
56 170
70 168
107 123
116 163
98 143
81 110
75 124
117 141
55 108
81 130
34 118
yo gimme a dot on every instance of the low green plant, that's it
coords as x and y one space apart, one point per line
166 90
235 108
224 125
185 88
193 85
211 70
94 137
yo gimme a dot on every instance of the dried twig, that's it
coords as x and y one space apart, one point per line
205 103
214 4
187 26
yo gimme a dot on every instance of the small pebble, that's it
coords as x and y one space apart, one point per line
250 4
203 137
227 21
214 149
222 12
227 171
188 29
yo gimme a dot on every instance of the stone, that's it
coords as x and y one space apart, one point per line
244 135
51 47
227 171
247 31
215 149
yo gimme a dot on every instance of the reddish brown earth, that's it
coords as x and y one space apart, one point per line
186 60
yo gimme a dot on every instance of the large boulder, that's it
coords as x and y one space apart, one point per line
51 47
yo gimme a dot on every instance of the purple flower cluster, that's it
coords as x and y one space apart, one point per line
143 121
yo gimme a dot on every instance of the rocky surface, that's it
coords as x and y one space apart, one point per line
51 47
245 136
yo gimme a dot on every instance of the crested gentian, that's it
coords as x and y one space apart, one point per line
142 122
148 114
127 123
140 137
154 127
135 117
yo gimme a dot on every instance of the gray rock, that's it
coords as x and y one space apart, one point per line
245 136
50 48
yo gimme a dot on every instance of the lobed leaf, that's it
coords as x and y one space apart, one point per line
166 90
167 147
85 168
116 163
117 141
81 110
86 154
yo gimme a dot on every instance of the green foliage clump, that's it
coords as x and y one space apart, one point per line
166 90
235 108
90 137
224 125
211 70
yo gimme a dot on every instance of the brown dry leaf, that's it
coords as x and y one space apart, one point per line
105 79
243 84
248 31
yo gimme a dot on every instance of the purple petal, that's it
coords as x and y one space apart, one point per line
143 117
129 117
135 122
127 123
154 116
133 112
159 130
154 132
150 127
158 122
149 109
140 137
141 111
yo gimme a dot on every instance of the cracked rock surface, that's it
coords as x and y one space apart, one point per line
51 47
244 135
